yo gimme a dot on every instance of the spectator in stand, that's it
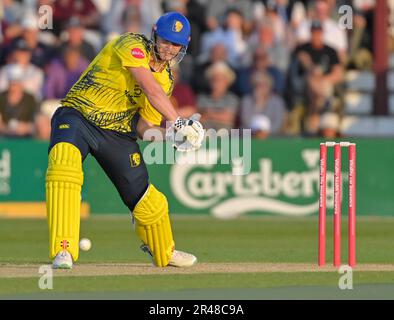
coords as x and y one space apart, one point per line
33 77
263 101
334 36
293 13
260 127
277 22
360 39
217 53
12 14
63 73
319 70
216 12
12 11
84 10
183 97
260 62
112 22
231 35
75 39
122 16
286 16
329 126
41 53
218 108
285 9
17 107
277 50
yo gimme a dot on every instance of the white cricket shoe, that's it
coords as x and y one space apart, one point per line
63 260
178 259
182 259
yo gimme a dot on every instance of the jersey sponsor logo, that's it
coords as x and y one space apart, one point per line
137 53
135 159
64 126
177 26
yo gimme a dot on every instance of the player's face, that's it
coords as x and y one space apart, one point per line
167 50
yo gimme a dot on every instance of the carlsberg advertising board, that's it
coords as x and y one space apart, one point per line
282 178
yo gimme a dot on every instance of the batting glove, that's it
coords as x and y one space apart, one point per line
186 134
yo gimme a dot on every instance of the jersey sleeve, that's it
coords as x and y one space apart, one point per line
150 114
131 53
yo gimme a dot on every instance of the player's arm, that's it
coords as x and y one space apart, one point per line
154 92
191 129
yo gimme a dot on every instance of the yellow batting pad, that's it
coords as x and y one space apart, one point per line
64 180
153 226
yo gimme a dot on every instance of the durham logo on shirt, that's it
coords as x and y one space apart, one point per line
178 26
135 159
137 53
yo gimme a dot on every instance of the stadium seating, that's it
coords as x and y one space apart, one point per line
367 126
358 120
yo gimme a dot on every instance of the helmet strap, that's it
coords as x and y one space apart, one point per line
156 55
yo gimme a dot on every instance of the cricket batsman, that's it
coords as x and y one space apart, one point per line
124 92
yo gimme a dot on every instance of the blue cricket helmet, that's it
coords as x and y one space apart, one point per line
173 27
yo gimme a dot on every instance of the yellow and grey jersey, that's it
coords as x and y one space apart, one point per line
108 95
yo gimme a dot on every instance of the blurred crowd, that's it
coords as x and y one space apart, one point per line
274 66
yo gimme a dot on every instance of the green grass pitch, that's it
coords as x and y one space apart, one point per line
271 244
